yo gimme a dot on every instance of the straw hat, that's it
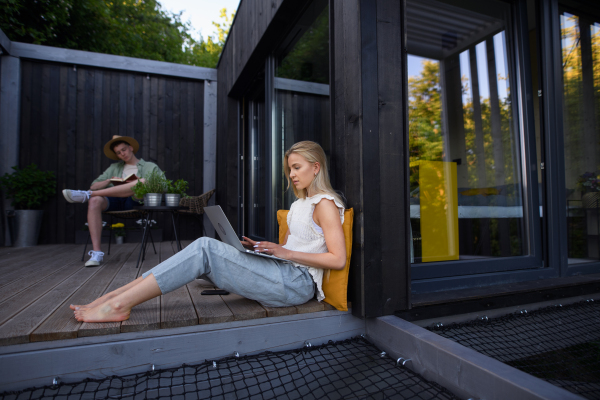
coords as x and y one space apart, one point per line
116 138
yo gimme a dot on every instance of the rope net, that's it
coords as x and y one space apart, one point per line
559 344
349 369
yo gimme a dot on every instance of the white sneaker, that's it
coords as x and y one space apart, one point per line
77 196
96 258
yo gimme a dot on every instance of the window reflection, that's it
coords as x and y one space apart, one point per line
466 188
580 42
301 91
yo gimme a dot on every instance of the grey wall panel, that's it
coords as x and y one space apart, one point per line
77 57
10 92
210 146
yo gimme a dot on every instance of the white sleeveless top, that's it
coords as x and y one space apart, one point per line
304 235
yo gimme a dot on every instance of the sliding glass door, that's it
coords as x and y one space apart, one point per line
474 205
580 50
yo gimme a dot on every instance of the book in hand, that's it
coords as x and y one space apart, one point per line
120 181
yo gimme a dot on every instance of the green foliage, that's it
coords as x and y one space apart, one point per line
155 182
133 28
29 187
178 187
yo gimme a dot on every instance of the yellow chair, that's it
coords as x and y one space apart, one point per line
335 282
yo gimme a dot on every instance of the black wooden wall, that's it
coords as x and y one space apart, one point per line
69 112
2 219
370 148
369 131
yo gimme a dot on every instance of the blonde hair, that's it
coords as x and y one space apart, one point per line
313 153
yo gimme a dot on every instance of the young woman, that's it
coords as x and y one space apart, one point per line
314 242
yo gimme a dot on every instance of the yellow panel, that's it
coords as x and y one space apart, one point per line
439 210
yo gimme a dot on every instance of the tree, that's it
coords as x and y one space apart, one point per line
134 28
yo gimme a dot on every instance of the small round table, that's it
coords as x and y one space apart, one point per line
150 210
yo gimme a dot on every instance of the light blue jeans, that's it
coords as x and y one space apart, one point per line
270 282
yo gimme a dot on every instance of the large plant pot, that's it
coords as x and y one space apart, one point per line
172 200
27 227
153 199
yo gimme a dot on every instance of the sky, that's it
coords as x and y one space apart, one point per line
201 13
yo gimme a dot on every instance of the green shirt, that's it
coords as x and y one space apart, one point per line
116 169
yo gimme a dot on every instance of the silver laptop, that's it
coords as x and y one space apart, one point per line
227 234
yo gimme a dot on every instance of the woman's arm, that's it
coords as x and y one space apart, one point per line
327 216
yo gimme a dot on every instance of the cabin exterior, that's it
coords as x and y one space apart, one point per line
464 134
459 132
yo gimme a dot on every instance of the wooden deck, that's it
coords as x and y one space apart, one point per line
37 284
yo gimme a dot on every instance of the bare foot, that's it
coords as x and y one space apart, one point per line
102 313
95 303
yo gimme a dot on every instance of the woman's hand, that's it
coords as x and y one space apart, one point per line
270 248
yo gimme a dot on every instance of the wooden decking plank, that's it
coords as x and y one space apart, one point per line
177 308
20 301
28 264
44 271
62 323
280 311
145 316
125 275
11 252
243 308
210 309
310 306
17 329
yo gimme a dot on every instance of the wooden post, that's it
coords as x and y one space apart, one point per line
209 181
10 101
370 146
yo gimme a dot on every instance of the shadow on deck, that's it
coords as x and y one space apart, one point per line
36 325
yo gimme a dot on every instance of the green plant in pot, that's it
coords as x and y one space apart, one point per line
152 190
28 188
175 191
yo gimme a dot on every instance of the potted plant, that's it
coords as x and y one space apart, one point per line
28 188
119 231
152 189
175 191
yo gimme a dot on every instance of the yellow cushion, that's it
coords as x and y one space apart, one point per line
335 282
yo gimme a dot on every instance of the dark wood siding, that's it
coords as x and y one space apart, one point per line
370 147
68 113
369 131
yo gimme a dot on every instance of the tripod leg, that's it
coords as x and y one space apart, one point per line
142 244
85 248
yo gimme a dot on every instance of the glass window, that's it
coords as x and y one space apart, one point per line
301 87
580 44
466 185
